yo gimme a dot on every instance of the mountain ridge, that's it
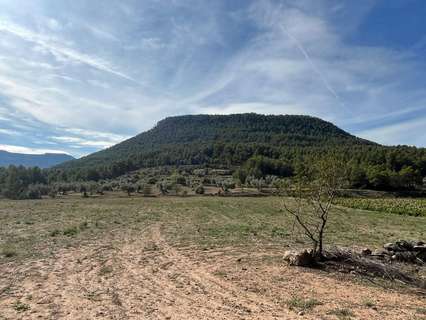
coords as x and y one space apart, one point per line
45 160
199 132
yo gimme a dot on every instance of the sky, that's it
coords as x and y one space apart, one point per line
77 76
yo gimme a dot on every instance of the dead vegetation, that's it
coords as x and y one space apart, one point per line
348 261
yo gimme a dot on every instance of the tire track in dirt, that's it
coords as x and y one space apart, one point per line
143 276
128 278
180 284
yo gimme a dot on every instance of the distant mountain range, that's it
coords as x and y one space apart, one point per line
46 160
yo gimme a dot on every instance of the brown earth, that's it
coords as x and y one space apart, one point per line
147 278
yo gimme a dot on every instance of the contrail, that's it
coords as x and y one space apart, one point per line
308 58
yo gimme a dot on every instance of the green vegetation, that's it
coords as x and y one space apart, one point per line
314 190
257 151
368 303
213 139
71 231
261 145
20 306
8 251
402 206
203 222
300 304
21 183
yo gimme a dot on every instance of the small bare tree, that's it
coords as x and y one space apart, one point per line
314 190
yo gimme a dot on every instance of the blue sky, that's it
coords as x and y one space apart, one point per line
78 76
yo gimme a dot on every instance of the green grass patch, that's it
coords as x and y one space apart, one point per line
278 232
20 306
401 206
300 304
71 231
421 311
8 251
368 303
203 222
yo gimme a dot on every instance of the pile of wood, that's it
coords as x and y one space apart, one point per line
402 251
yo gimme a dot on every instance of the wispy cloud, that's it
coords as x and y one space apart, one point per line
409 132
27 150
9 132
311 63
59 50
75 142
85 76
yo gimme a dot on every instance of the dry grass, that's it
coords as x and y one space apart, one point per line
184 258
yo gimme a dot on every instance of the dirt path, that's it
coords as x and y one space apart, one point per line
147 278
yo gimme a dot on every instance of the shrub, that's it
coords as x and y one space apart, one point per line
9 252
199 189
152 180
20 306
71 231
128 188
55 233
33 192
300 304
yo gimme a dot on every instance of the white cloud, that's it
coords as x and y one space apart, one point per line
28 150
59 50
53 24
255 107
410 132
185 57
88 138
96 134
9 132
100 84
102 34
80 142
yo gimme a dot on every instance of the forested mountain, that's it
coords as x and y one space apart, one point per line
258 144
220 139
32 160
253 147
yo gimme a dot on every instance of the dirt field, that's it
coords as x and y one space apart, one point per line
175 258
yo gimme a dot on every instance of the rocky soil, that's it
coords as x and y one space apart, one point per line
148 278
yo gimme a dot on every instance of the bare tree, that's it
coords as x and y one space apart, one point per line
314 190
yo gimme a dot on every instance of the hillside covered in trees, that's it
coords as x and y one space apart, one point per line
214 140
252 147
231 140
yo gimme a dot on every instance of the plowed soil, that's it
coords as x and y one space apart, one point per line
146 277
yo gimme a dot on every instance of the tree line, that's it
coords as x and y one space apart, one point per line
368 166
372 166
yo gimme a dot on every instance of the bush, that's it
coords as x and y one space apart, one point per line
152 180
199 189
128 188
20 306
54 233
71 231
300 304
52 193
33 192
179 179
9 251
